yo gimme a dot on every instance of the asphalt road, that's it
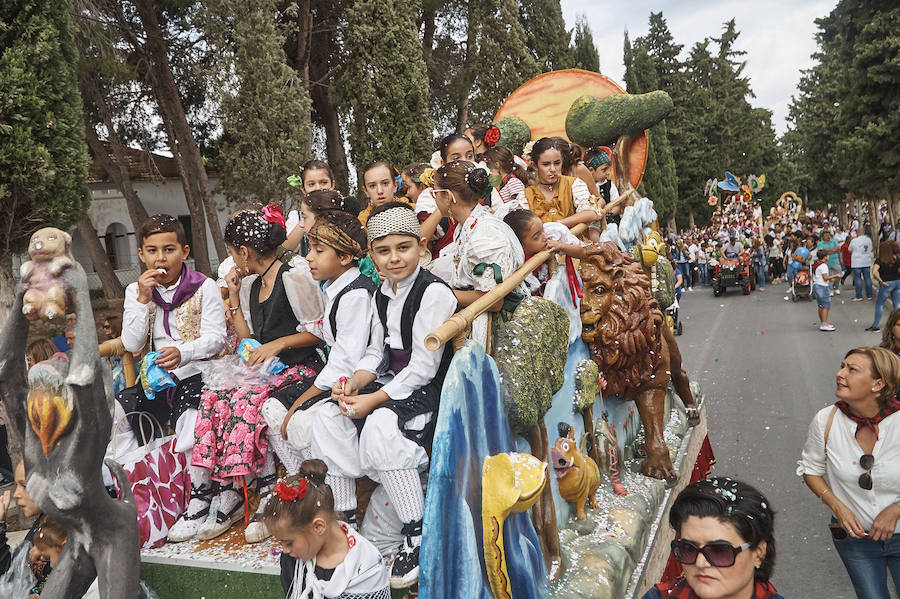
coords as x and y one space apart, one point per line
766 370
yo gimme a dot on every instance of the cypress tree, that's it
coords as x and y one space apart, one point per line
384 87
266 120
585 53
43 156
548 38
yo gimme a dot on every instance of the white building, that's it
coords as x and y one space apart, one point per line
156 181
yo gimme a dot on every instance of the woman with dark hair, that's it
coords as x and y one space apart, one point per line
890 336
851 461
886 274
555 196
725 540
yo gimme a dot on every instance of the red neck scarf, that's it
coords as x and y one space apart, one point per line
861 421
679 589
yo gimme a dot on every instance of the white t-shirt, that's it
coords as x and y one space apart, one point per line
861 252
840 237
820 274
692 252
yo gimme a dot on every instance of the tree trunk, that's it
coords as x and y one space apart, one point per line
304 40
462 109
166 91
430 28
118 170
112 287
7 285
334 139
691 219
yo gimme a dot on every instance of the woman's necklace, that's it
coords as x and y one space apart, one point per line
262 277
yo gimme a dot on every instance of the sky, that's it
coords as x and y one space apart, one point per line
778 37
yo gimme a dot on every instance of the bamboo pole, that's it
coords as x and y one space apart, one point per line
460 321
114 347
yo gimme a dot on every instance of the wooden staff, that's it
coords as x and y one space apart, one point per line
460 321
114 347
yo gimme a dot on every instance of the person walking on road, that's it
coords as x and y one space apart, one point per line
829 250
861 264
851 461
886 273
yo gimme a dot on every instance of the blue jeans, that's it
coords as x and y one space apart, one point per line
868 562
761 274
893 291
685 269
791 271
861 273
704 273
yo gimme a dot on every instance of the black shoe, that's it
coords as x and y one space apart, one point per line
405 569
873 329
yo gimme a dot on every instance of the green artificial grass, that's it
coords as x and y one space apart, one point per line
180 582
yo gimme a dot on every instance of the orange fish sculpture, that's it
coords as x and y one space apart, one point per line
50 414
577 475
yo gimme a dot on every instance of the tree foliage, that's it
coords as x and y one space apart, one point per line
584 51
384 88
265 119
548 39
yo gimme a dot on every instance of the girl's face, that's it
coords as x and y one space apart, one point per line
316 178
477 144
895 331
711 582
411 189
549 166
855 381
534 239
307 217
379 186
301 543
460 149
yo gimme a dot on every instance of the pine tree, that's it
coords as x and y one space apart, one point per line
548 38
585 53
497 60
384 87
660 182
266 119
43 156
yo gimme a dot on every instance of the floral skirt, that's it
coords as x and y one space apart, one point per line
230 430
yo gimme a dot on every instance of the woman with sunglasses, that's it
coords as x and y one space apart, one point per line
851 461
724 539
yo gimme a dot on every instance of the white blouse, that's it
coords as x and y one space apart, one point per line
843 470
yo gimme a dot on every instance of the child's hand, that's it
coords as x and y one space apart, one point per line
4 505
359 406
147 283
233 280
169 358
264 352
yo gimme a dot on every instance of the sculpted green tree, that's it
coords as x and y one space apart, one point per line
384 86
43 156
548 39
585 55
265 119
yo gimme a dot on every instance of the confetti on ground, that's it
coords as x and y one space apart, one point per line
229 550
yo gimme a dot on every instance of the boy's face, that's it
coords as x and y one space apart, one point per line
601 173
21 495
397 256
325 264
162 250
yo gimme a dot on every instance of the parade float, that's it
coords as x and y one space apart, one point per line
560 443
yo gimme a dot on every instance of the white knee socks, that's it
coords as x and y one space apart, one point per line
405 490
287 454
344 490
200 485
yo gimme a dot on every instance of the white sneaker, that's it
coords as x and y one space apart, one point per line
186 527
826 327
837 291
257 531
857 299
831 294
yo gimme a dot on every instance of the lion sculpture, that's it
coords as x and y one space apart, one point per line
632 346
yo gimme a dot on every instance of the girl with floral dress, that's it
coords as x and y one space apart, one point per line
280 306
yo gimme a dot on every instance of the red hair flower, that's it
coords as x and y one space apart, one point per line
273 214
290 494
492 136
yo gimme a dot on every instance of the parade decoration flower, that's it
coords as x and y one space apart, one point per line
291 493
712 201
426 177
492 136
526 151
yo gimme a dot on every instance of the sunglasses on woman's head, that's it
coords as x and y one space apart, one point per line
720 554
866 462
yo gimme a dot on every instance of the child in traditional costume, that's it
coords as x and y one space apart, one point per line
179 313
314 175
557 197
508 178
535 237
383 420
322 557
381 184
280 307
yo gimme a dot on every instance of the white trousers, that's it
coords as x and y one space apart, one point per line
379 447
299 429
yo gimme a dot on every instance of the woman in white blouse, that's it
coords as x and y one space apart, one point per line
851 461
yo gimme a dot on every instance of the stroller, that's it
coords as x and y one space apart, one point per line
672 319
801 285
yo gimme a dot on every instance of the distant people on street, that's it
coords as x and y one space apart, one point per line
851 461
861 264
886 274
829 250
845 256
821 278
733 248
724 539
60 340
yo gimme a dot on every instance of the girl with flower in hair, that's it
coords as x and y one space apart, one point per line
280 306
507 176
555 196
315 175
321 556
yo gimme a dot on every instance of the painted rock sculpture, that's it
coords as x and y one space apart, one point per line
578 476
45 292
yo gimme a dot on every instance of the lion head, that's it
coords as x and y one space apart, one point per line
620 319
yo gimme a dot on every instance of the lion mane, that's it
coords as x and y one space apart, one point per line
625 341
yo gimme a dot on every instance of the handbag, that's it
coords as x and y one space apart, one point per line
837 531
160 482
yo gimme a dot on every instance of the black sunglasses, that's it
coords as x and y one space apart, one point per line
720 554
866 462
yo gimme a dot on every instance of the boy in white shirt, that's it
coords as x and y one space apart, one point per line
823 292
